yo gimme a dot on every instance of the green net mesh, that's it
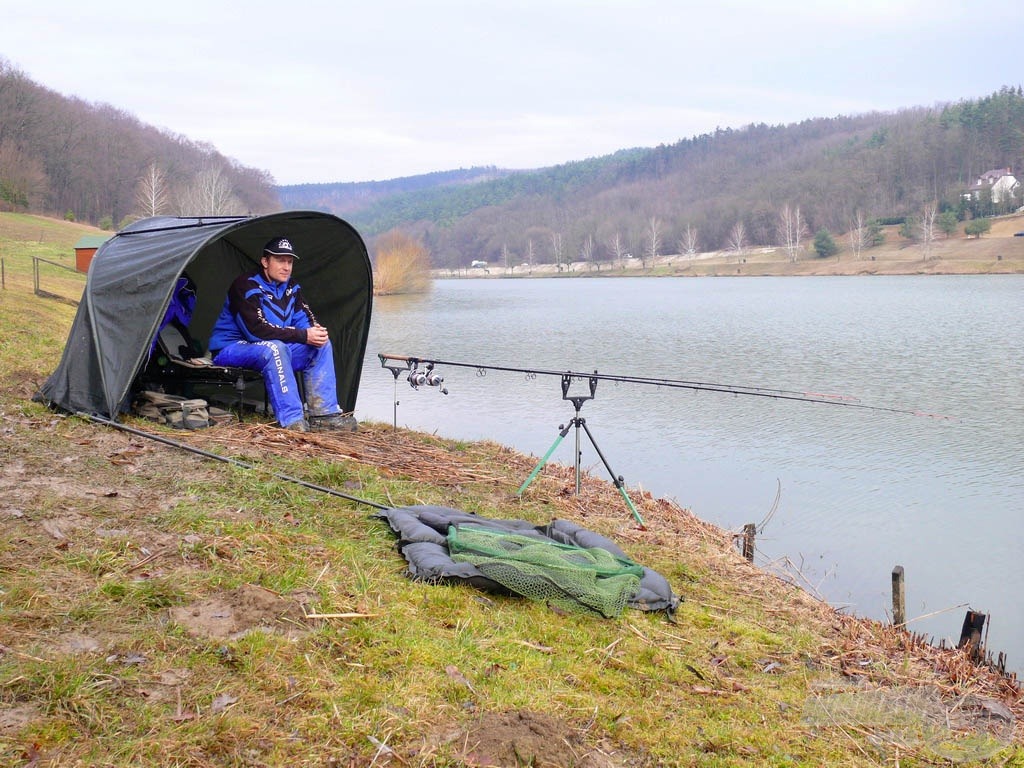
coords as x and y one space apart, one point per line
583 580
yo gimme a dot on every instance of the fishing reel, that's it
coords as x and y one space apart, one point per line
416 376
427 377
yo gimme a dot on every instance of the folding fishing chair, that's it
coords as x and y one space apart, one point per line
178 364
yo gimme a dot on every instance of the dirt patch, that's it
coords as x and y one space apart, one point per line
521 737
74 643
15 717
232 614
31 480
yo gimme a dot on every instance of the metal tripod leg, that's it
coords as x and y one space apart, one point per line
540 465
617 480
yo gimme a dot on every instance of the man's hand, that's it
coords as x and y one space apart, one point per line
316 336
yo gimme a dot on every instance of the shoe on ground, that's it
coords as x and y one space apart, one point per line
297 426
336 422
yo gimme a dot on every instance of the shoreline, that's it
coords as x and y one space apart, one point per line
673 266
997 253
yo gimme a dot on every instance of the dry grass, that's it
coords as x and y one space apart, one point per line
121 552
402 265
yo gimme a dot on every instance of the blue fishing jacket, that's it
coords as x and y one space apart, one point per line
257 309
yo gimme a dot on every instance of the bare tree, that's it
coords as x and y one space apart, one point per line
688 243
587 251
653 249
557 248
927 228
210 194
857 234
617 247
792 230
506 257
152 196
737 238
802 232
530 256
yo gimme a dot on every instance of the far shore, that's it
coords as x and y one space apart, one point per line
999 252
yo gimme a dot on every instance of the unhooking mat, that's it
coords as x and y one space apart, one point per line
569 566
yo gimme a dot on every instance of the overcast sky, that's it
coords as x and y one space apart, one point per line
355 91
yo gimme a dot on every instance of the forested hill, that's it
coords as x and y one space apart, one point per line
359 195
713 188
94 163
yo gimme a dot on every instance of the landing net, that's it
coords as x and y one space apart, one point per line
578 579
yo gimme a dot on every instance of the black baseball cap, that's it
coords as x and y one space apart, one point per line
279 246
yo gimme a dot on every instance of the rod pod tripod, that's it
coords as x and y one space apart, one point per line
563 429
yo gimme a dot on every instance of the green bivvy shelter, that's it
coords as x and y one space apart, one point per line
133 274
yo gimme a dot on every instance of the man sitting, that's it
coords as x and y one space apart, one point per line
266 325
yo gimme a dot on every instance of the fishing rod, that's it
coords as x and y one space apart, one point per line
226 459
428 376
422 372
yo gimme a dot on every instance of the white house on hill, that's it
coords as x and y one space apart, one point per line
1002 183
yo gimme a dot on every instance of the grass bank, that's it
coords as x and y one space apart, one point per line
158 608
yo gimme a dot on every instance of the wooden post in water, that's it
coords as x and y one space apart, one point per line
749 532
970 634
899 598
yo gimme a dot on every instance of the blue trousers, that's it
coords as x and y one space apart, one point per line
279 362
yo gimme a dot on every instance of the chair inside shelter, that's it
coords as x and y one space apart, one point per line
177 362
177 365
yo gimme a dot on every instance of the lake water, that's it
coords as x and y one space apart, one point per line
862 490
